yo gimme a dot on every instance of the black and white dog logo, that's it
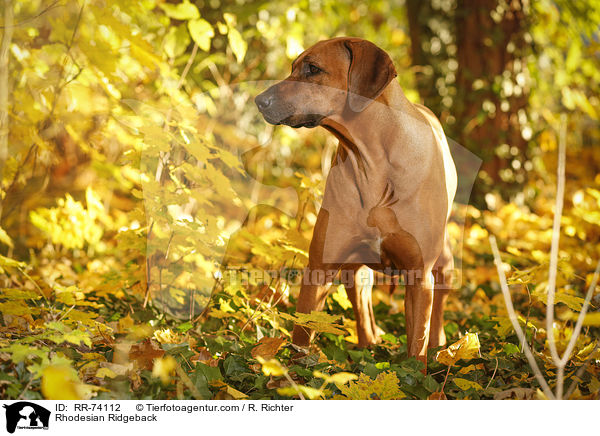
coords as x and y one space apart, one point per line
26 415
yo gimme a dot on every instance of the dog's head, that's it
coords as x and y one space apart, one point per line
327 79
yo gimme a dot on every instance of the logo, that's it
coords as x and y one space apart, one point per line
26 415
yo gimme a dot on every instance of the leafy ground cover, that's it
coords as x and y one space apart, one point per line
97 339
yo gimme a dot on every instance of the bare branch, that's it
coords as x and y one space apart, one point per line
513 319
28 20
560 194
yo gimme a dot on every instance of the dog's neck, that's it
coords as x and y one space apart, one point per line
370 146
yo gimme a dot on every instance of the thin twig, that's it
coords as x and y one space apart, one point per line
27 20
20 397
528 313
561 361
294 385
514 321
35 284
69 46
445 379
560 194
494 374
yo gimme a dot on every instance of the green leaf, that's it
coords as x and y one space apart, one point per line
185 327
210 372
21 352
430 384
511 349
182 11
201 32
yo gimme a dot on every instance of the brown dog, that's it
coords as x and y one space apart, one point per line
388 195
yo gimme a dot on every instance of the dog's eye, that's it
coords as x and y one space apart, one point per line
313 69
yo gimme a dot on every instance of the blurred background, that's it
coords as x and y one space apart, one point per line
130 152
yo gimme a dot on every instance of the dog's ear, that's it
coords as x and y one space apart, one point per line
371 70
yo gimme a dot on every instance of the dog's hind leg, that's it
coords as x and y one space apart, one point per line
442 270
404 251
358 281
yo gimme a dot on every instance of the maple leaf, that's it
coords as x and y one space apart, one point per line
267 347
318 321
466 348
143 354
385 386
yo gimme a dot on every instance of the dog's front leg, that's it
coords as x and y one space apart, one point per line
316 281
312 297
418 303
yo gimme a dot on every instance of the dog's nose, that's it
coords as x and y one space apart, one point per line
263 101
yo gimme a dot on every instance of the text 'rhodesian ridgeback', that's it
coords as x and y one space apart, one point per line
388 195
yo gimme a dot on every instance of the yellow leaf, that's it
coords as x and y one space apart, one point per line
340 378
271 367
505 327
306 391
467 384
467 369
237 44
201 32
8 262
386 386
5 238
341 298
125 324
167 336
17 308
585 352
592 319
163 368
61 383
105 372
466 348
317 321
183 11
540 293
237 395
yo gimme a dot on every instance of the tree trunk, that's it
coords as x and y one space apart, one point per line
4 120
487 49
487 44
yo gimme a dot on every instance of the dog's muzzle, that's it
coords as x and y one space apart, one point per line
276 111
